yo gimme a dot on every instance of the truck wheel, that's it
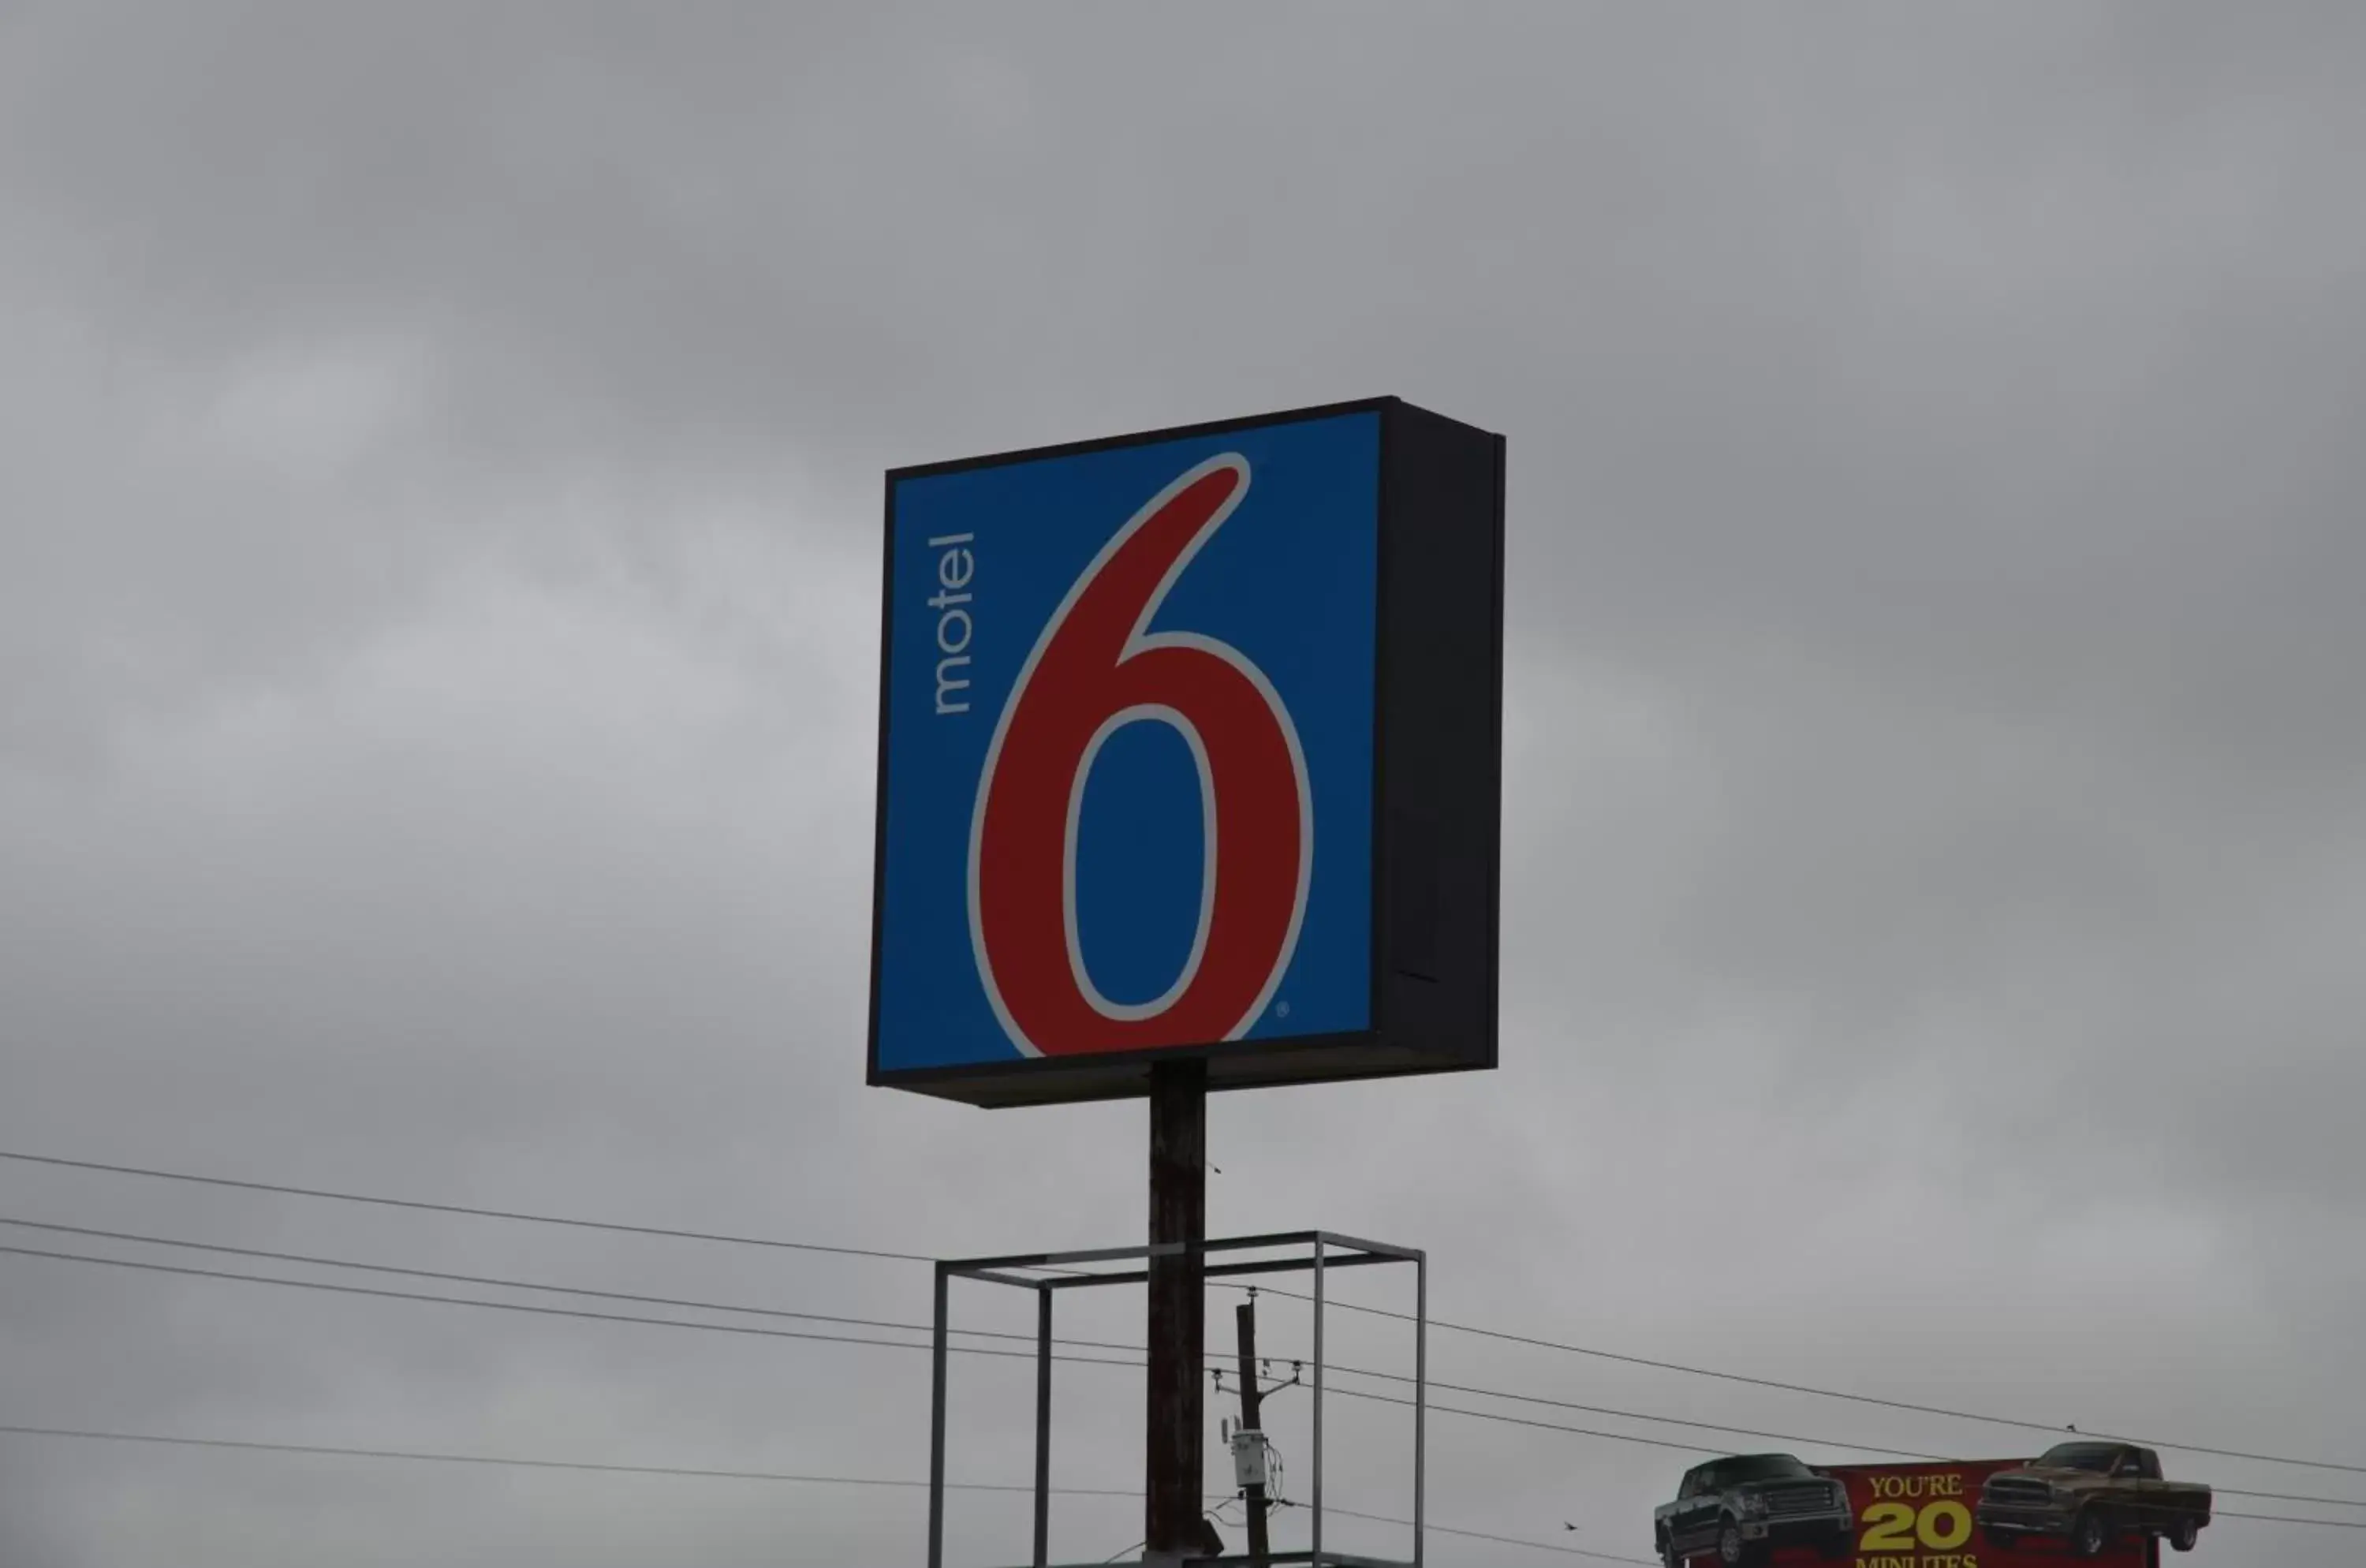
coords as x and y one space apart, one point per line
1731 1550
2090 1532
1670 1557
2184 1534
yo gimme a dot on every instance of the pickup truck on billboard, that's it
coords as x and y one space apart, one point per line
2101 1503
1738 1510
2091 1495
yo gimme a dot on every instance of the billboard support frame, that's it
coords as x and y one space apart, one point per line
1047 1274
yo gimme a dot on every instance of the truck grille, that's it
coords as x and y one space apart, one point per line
1784 1502
2018 1490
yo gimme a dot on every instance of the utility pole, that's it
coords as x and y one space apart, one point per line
1244 1328
1178 1216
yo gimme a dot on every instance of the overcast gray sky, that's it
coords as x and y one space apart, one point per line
439 493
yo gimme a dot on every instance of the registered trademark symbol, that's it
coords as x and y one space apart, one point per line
1281 1009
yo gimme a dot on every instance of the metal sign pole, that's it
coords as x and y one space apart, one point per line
1420 1406
1317 1558
1178 1215
1042 1426
937 1346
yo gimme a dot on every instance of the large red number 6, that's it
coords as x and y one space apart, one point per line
1093 671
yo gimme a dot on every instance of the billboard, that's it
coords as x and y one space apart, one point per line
1930 1516
1190 746
2096 1501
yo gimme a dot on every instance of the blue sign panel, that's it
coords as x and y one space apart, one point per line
1133 799
1130 710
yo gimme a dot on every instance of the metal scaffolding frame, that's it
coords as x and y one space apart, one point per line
1050 1273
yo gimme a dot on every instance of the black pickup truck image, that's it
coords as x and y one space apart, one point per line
1737 1510
2093 1496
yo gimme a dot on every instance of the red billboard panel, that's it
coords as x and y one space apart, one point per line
2090 1501
1930 1516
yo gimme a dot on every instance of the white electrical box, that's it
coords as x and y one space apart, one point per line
1249 1458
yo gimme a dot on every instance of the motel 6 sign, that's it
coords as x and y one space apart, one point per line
1190 746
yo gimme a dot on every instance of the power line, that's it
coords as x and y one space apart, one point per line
420 1456
1778 1437
426 1207
378 1292
315 1260
1821 1393
830 1339
415 1456
2291 1497
1697 1449
2292 1520
1645 1415
500 1282
1442 1324
1524 1421
375 1293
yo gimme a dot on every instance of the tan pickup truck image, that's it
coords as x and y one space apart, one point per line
2093 1496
